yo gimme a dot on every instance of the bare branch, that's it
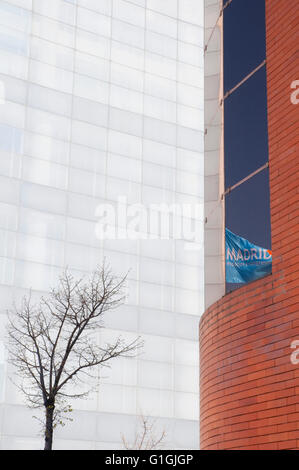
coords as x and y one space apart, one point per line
147 436
54 344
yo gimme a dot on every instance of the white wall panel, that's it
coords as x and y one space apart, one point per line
104 99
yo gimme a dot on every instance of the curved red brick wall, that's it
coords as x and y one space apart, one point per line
249 386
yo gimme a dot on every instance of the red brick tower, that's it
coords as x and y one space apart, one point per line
249 386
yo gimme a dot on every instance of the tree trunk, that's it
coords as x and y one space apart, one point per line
49 425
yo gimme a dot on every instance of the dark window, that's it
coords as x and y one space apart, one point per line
246 130
247 206
244 39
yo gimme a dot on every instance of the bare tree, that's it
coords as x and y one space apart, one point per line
53 344
147 436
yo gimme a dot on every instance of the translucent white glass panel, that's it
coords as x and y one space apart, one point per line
95 67
91 89
122 263
87 158
156 322
12 89
90 111
189 302
132 293
156 271
160 249
49 76
164 132
7 244
83 206
10 165
155 402
190 117
187 406
190 75
12 64
156 375
14 17
160 87
13 41
89 135
126 121
104 6
52 54
9 190
190 95
192 11
126 99
2 370
93 44
185 256
158 348
156 296
166 7
48 124
54 31
122 167
35 276
117 187
190 139
186 352
22 3
160 109
191 33
8 216
42 224
12 114
86 182
81 231
127 77
47 148
189 277
123 372
93 22
127 55
40 250
57 9
192 162
159 65
117 399
127 34
42 172
82 258
49 100
186 327
186 379
6 271
160 44
159 153
104 99
124 144
11 140
154 195
43 198
129 13
161 24
191 54
160 176
124 318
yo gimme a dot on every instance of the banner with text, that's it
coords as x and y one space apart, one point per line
245 262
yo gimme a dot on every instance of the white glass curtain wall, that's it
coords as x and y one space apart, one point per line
101 99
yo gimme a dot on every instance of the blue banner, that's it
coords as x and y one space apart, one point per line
244 261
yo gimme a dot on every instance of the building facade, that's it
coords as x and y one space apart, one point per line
102 99
248 338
